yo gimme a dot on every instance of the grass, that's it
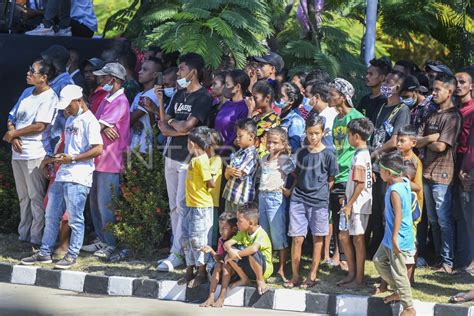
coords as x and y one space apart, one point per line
429 286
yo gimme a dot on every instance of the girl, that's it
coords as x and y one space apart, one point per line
217 89
291 119
275 168
236 85
316 167
260 109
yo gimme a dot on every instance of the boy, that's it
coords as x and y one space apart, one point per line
359 203
398 240
215 162
240 174
199 207
227 230
251 258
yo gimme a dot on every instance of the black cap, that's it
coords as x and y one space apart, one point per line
412 84
423 80
440 68
95 62
273 59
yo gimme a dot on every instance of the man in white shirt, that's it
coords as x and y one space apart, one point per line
27 133
82 144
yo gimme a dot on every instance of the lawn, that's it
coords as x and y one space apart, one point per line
429 286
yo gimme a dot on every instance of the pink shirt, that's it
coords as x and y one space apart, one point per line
114 111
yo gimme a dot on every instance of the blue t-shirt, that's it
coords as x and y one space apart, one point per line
406 240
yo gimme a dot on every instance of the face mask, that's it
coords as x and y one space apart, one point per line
306 104
79 112
183 82
387 91
281 104
169 92
409 102
227 93
108 87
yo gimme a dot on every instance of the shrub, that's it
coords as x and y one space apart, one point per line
9 208
141 210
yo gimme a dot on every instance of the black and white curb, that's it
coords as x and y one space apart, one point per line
277 299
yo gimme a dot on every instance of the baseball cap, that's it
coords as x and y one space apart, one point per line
112 69
440 68
273 59
411 83
95 62
68 93
345 88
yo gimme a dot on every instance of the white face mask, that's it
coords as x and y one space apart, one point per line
80 111
169 92
183 82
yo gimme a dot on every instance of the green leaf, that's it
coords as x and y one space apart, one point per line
218 25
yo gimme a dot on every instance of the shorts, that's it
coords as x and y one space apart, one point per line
358 224
244 264
303 215
410 256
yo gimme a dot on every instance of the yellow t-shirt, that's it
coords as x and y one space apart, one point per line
265 243
197 192
419 182
216 173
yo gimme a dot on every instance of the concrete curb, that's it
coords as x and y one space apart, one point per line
277 299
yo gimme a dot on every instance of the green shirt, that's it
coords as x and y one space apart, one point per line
263 240
344 151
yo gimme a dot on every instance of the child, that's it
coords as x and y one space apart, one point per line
398 240
275 168
227 230
315 170
260 109
251 258
199 207
240 173
215 162
358 205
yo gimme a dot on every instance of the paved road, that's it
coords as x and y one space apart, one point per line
31 300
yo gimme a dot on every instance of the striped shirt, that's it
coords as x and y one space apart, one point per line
242 190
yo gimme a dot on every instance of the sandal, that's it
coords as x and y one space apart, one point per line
460 298
308 284
291 284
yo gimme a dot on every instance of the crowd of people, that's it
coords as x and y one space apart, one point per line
255 162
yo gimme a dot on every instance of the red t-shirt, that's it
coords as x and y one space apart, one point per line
467 122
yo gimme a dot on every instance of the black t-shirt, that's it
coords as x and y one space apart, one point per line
313 171
370 107
183 105
389 121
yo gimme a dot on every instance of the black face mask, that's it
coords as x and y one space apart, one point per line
227 93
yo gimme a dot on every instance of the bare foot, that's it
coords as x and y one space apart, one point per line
185 279
410 311
353 285
292 283
198 280
219 303
394 297
343 265
261 287
347 279
241 282
209 302
380 289
281 273
308 284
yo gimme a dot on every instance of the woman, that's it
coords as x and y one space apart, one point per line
236 85
289 100
218 98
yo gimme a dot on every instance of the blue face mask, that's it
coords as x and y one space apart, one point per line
280 104
410 102
169 92
108 87
306 104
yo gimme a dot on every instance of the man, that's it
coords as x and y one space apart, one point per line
392 116
433 68
189 108
140 119
96 91
55 9
73 179
27 133
114 118
131 87
268 68
463 96
83 18
371 103
412 95
407 67
74 70
438 136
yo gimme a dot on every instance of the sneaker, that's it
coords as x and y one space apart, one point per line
36 258
170 263
105 252
41 31
64 32
65 263
94 246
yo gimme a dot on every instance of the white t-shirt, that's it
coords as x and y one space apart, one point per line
273 173
80 133
143 138
329 115
34 109
361 170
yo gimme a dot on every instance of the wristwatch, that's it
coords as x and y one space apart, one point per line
73 160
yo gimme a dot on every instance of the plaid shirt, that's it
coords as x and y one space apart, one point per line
242 190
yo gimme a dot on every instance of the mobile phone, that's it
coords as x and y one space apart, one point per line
159 79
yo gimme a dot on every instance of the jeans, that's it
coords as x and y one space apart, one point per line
195 234
62 196
104 186
467 200
31 188
438 199
175 176
272 207
60 9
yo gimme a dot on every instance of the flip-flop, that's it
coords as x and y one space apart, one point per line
308 284
459 298
291 284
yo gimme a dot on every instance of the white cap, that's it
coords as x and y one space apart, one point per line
69 93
